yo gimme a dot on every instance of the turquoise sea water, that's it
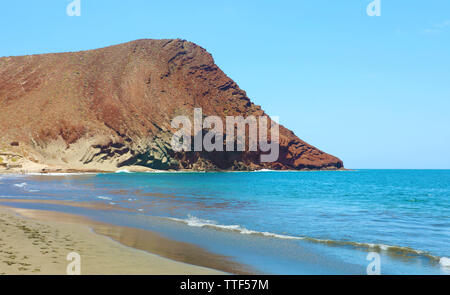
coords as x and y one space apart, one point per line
276 222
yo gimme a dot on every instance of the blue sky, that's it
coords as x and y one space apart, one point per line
374 91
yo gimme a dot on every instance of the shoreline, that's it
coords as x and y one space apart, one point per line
62 172
152 242
38 241
23 166
392 250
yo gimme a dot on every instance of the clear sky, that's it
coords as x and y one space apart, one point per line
374 91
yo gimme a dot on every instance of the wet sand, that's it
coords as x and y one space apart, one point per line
38 242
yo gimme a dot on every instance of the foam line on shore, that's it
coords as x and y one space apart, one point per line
197 222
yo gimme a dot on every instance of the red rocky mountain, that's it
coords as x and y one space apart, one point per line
110 108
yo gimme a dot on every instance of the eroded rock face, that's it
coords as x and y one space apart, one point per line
112 107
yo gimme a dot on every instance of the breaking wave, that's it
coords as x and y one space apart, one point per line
444 262
198 222
123 171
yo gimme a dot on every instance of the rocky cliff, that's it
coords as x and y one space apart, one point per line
111 108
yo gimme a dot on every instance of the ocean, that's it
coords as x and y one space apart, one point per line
321 222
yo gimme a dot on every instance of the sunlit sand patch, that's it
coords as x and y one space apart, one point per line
186 257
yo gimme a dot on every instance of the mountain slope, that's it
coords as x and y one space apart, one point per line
112 107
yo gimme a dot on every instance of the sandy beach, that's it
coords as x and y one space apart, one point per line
38 242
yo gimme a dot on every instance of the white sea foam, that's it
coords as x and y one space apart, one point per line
123 171
198 222
24 186
444 262
174 171
370 245
104 198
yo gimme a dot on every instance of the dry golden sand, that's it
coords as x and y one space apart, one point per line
40 246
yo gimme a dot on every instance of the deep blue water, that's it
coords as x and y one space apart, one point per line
337 216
